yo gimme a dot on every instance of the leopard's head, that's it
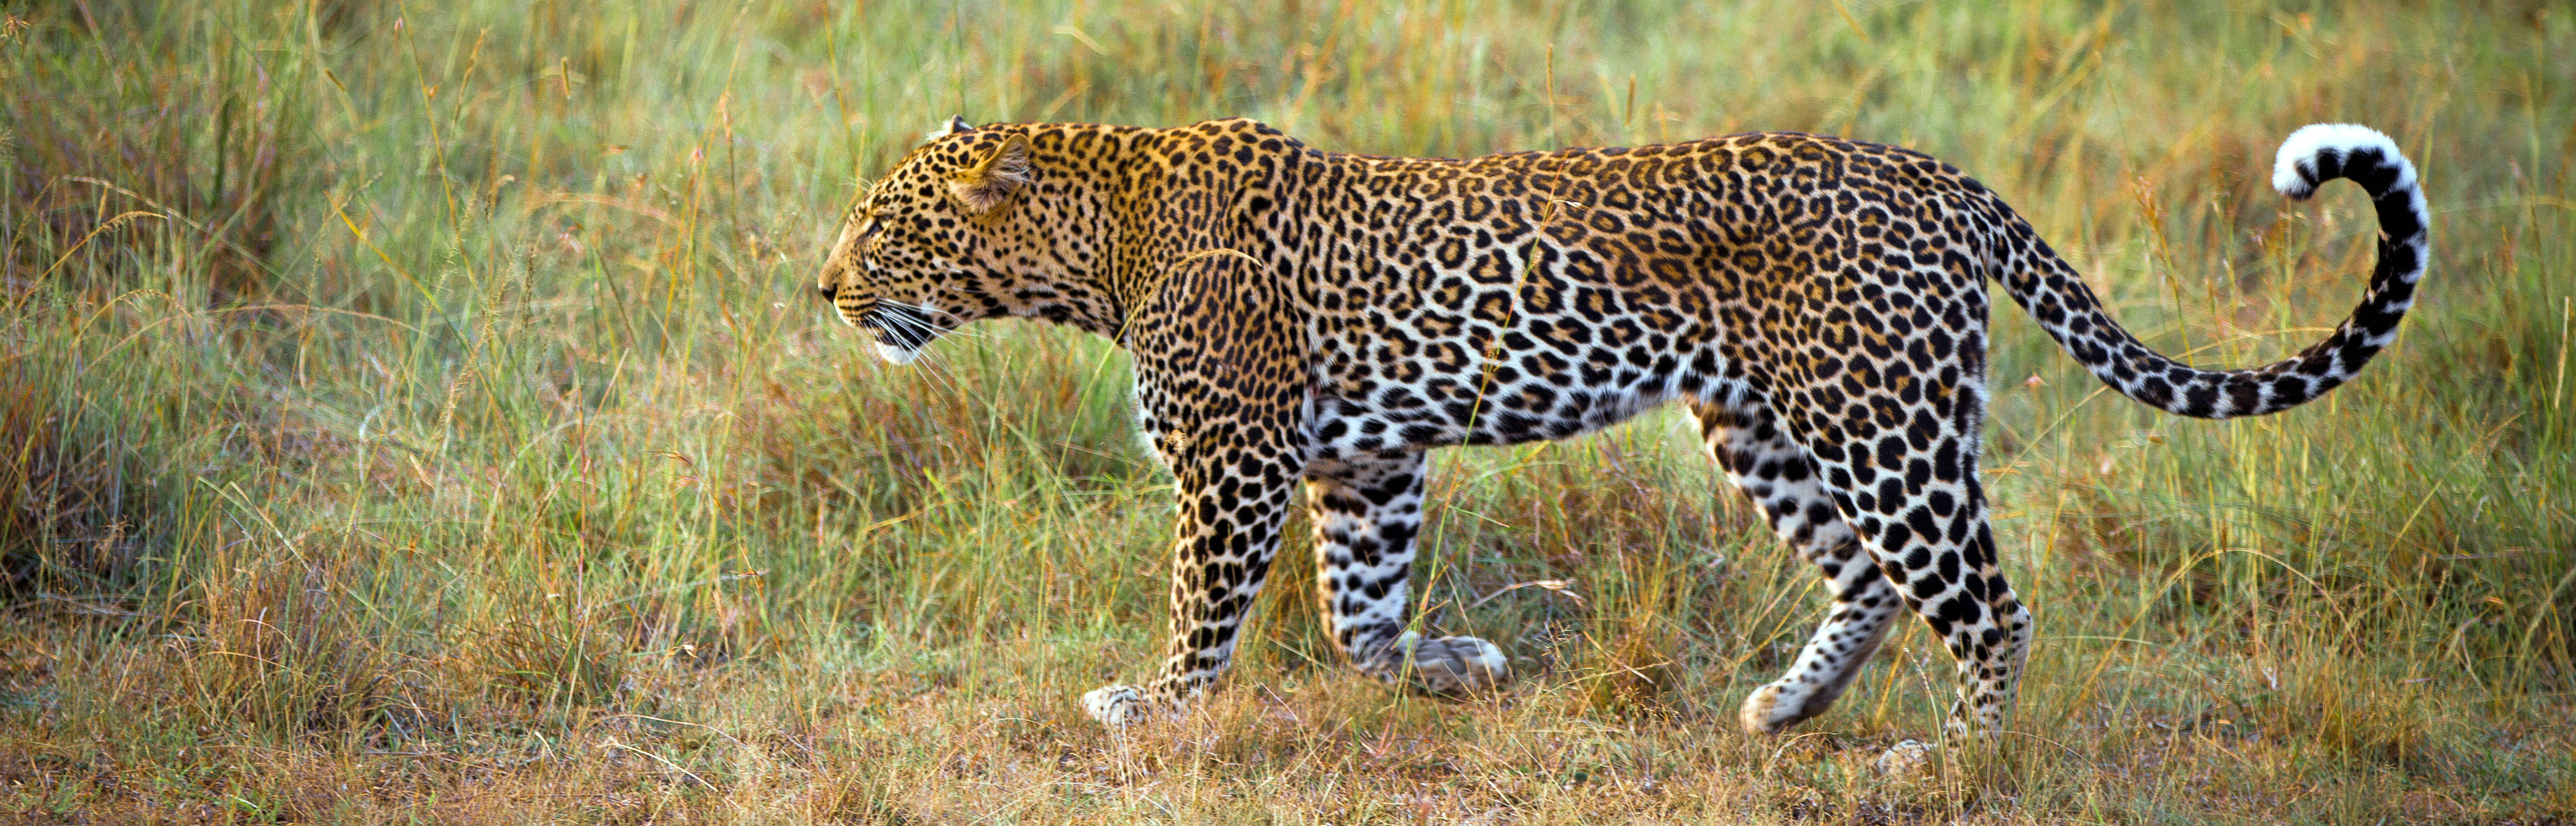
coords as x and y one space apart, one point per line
924 251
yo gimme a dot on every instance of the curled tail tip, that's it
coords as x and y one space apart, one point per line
2321 152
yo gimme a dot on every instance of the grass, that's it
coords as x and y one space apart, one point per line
420 413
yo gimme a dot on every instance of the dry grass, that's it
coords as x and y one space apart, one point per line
420 414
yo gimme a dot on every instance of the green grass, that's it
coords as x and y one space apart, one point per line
422 414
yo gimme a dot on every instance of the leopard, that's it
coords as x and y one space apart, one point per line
1301 318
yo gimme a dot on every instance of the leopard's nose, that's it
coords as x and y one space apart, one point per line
827 290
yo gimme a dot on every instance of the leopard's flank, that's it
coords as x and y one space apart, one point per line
1316 319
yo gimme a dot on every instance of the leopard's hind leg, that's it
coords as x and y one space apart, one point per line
1909 490
1366 509
1745 439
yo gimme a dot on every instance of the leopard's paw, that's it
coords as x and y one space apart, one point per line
1116 706
1905 758
1454 666
1775 707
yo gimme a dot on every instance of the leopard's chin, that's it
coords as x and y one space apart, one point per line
896 355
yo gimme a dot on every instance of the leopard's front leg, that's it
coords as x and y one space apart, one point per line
1235 485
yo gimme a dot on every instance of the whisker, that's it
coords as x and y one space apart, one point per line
911 321
956 332
909 337
927 372
937 371
923 309
908 333
927 331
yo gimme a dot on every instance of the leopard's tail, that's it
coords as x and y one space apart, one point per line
2053 293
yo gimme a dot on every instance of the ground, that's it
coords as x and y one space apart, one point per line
423 415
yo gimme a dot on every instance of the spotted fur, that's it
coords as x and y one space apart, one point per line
1315 318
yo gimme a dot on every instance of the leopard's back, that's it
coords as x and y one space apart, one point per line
1529 296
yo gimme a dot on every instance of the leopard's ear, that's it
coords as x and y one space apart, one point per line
955 125
993 180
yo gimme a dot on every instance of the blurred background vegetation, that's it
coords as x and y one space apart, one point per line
420 412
